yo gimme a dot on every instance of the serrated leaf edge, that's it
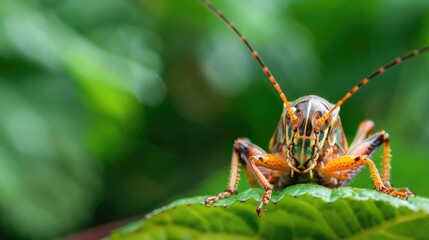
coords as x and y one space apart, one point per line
313 190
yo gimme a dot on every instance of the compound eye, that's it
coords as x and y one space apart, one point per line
286 115
298 113
316 116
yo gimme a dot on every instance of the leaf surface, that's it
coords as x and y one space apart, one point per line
300 211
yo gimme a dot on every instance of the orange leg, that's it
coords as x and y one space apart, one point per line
269 161
243 149
340 176
385 164
259 166
352 161
369 145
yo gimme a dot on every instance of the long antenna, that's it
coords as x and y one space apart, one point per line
290 112
379 71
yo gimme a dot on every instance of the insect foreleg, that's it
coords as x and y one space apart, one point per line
349 162
269 161
261 168
241 152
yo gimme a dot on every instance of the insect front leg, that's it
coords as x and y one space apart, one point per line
259 167
359 154
269 161
241 152
352 161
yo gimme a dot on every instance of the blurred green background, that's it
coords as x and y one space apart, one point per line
111 108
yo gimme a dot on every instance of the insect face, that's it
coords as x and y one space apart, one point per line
304 140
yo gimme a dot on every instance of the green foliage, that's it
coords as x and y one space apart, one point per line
298 212
66 98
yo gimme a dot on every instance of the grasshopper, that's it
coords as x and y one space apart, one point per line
309 144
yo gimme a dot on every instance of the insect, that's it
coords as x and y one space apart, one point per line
309 143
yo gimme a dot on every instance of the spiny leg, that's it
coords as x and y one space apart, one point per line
352 161
242 150
385 164
368 147
362 144
269 161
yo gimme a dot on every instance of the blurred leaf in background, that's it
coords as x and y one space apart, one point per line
71 100
111 108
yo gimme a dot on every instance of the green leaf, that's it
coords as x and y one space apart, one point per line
301 211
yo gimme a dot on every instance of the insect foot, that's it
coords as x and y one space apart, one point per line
210 200
400 193
265 200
